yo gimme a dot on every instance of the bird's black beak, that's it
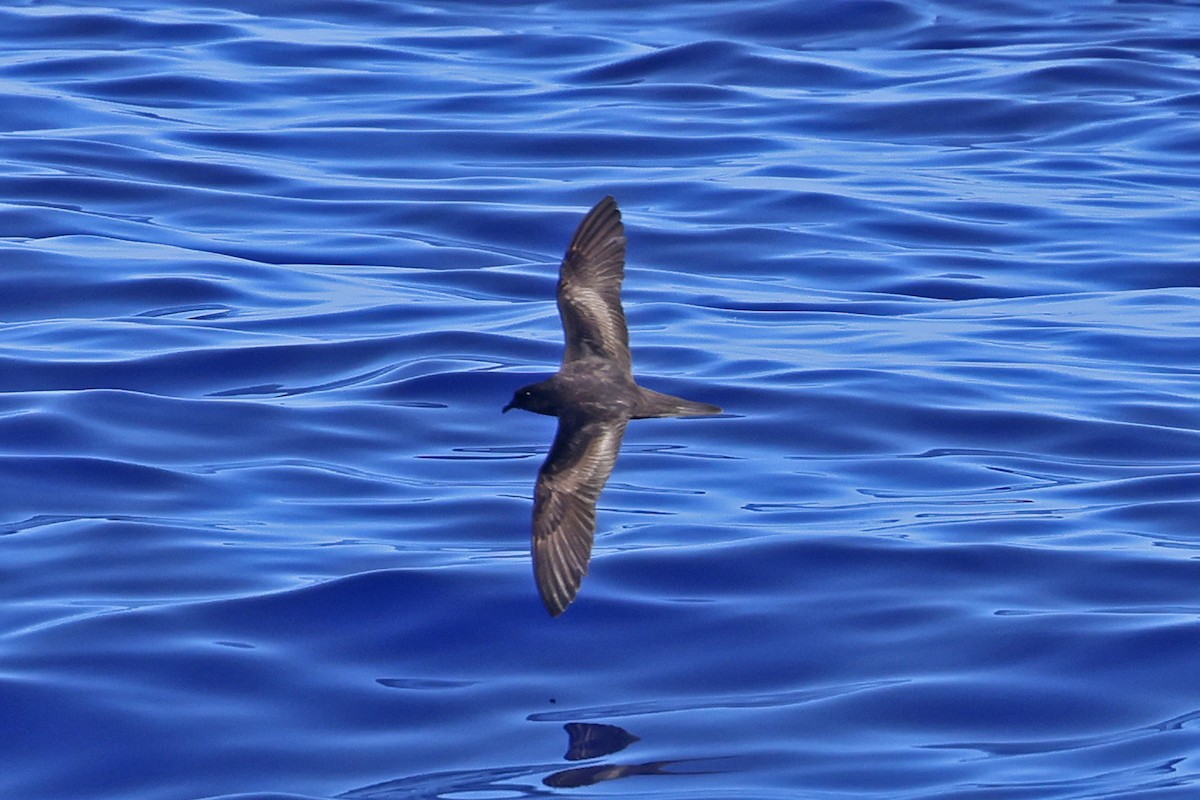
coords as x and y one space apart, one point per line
507 408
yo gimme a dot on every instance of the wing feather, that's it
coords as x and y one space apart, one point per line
589 288
564 505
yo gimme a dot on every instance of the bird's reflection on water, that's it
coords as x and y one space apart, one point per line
592 740
586 741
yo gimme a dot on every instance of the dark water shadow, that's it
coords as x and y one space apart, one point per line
586 741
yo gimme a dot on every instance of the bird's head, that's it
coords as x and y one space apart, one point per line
536 397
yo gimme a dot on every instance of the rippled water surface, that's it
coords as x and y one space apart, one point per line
268 272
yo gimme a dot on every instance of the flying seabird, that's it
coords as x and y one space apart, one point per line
594 396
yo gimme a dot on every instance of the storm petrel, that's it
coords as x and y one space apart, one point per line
594 396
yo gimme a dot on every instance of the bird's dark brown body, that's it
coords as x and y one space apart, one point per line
594 396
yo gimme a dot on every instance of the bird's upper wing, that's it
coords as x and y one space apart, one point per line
589 288
564 504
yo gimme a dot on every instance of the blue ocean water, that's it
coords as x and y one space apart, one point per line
268 272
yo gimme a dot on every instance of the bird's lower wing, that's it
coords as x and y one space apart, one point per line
564 505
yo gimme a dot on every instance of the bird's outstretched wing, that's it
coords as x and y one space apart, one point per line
589 288
564 504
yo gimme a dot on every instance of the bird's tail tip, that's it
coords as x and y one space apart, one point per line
693 409
656 404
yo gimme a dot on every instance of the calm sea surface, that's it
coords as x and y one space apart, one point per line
269 270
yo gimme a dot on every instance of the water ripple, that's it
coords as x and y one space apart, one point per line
269 274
